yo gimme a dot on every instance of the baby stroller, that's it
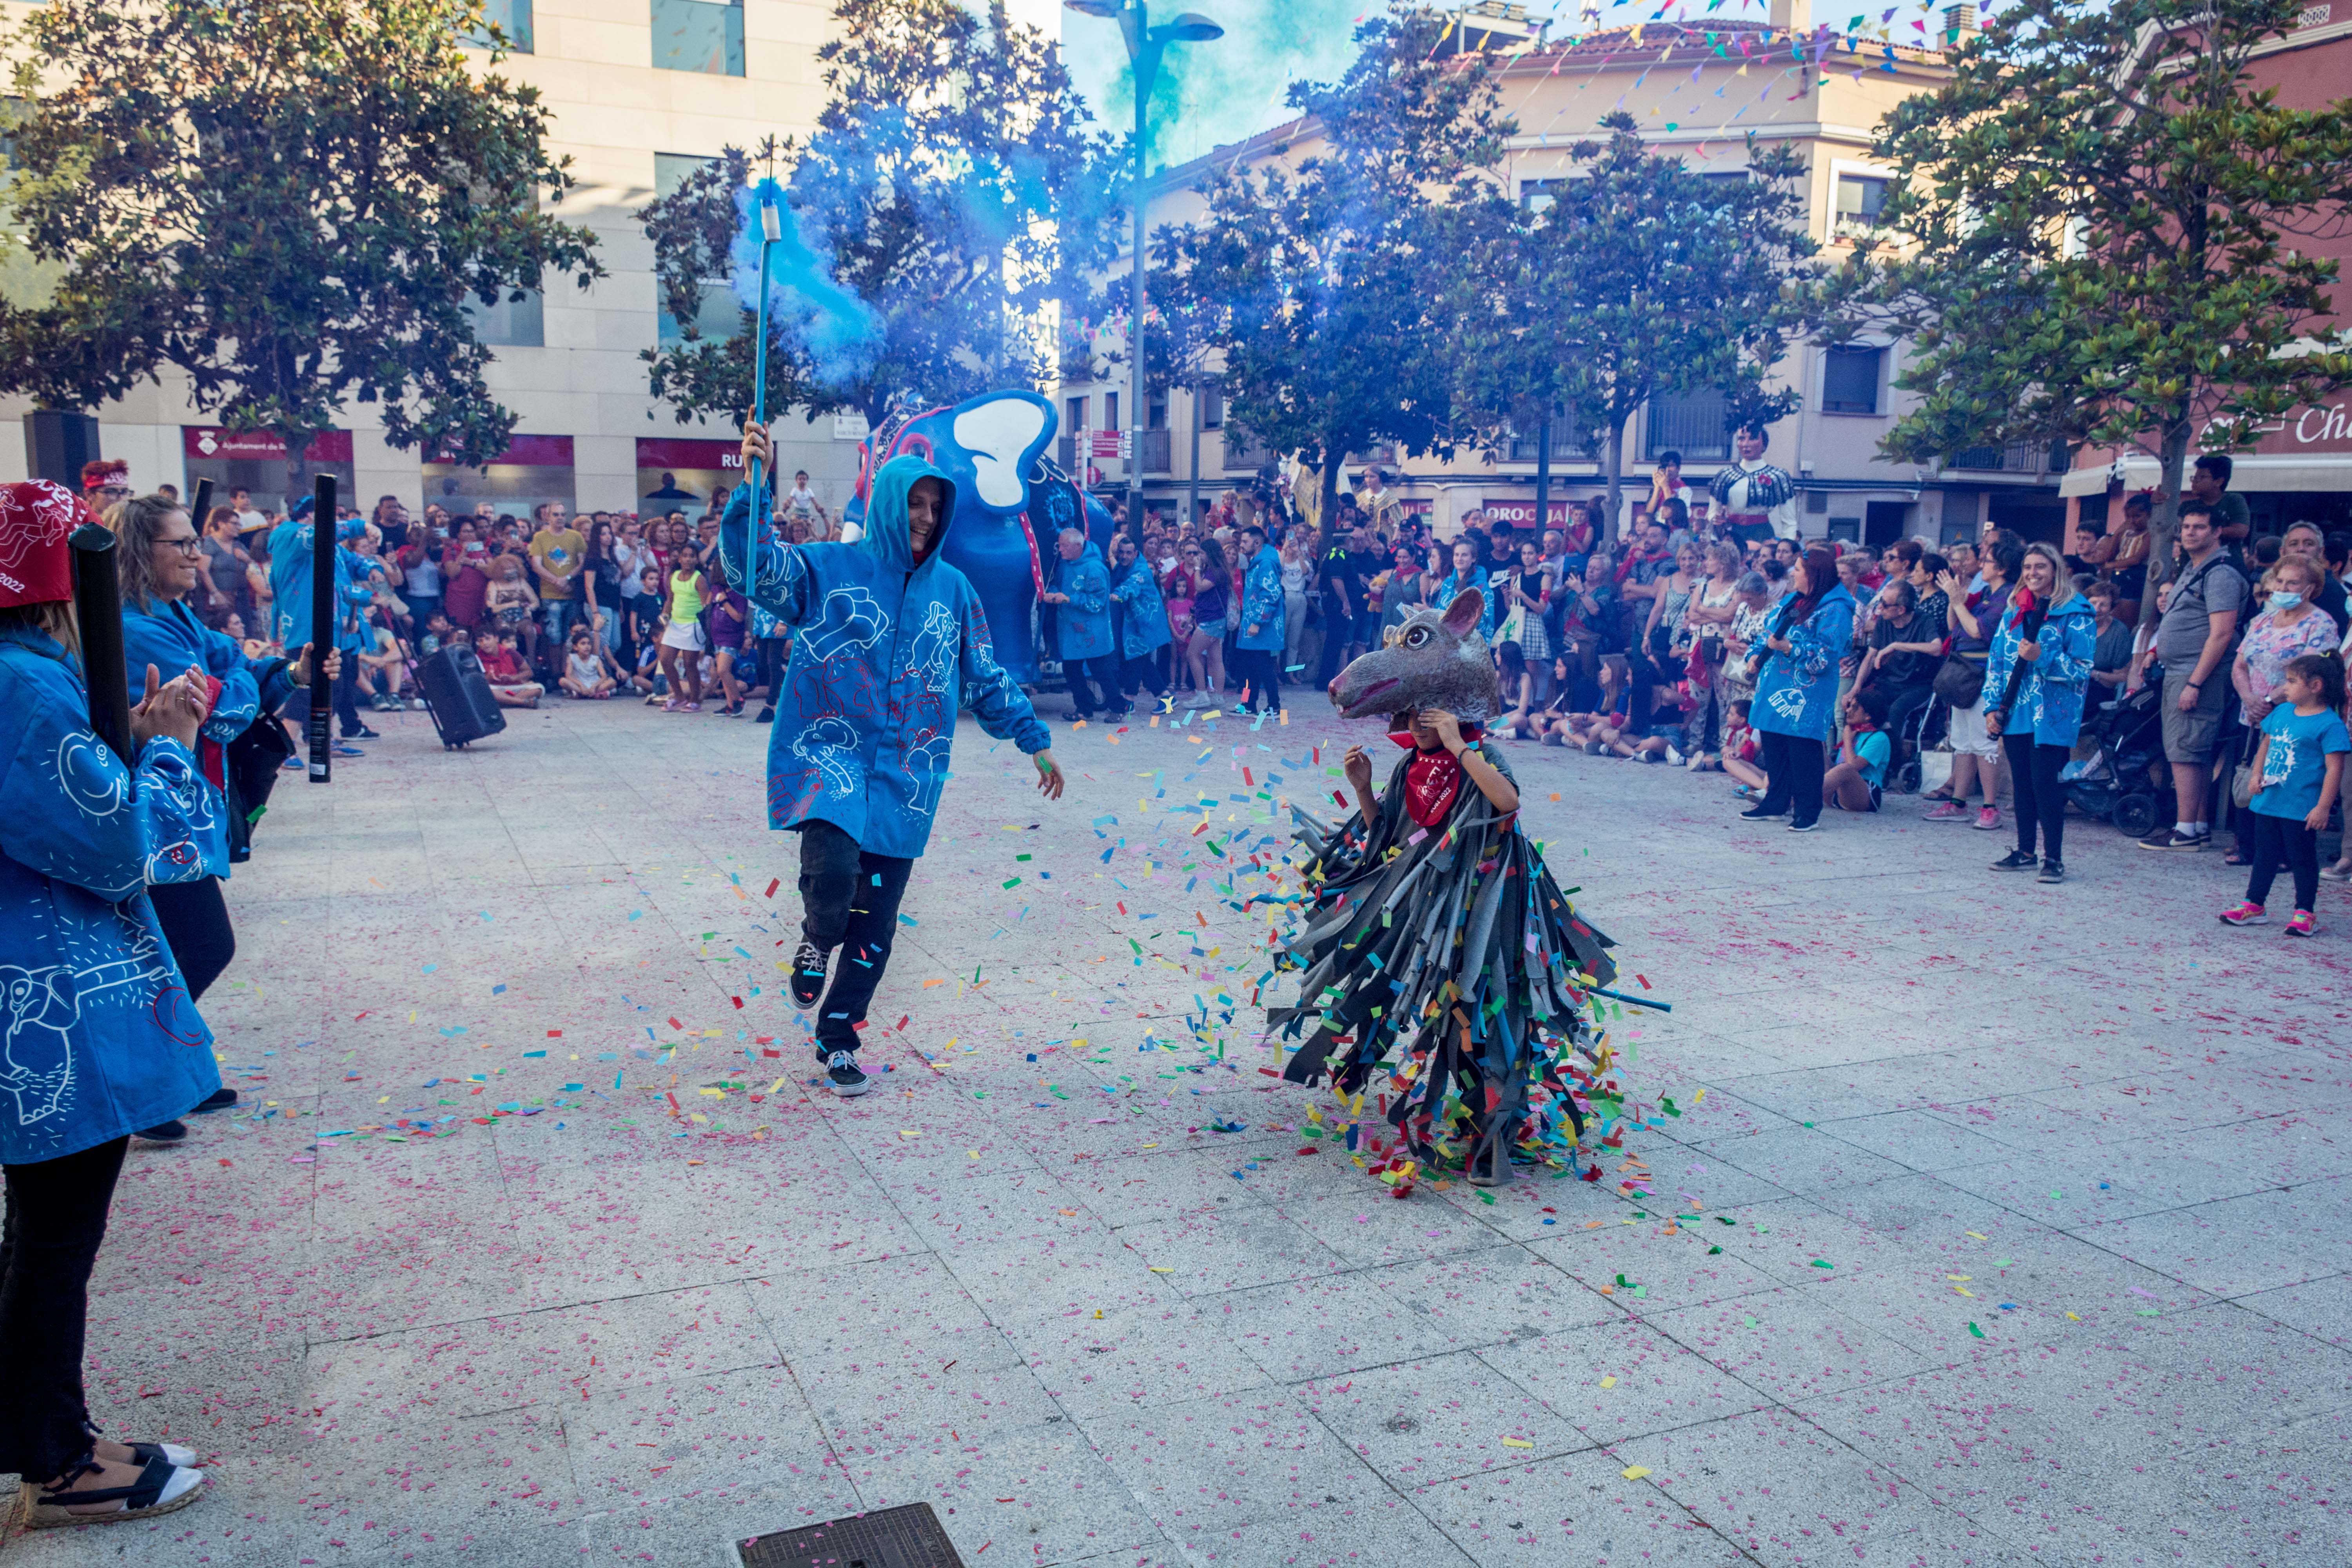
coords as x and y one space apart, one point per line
1914 712
2114 785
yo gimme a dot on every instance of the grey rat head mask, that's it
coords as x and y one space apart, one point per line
1429 660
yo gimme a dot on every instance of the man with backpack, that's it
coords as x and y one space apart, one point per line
2192 647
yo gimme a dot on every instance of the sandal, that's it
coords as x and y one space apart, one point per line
162 1487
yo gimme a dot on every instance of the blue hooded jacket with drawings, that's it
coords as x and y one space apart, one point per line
885 647
169 636
1261 603
1081 627
98 1037
289 582
2048 702
1796 692
1144 626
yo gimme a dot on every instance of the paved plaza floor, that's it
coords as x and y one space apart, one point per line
1993 1223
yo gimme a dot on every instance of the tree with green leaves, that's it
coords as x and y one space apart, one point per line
290 202
1639 280
2095 234
1315 287
952 185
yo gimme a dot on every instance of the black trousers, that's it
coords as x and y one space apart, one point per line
347 708
1149 673
849 900
1090 693
771 667
48 1242
2038 798
1257 668
195 921
1793 767
2283 840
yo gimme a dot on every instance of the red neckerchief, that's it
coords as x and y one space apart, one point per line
1432 779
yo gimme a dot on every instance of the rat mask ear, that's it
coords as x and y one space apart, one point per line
1461 615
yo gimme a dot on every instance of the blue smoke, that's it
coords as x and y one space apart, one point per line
841 333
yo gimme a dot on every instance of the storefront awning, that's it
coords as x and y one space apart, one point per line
2249 472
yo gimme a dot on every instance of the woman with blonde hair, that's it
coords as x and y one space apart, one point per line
2036 673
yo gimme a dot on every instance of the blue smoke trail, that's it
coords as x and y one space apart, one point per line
842 334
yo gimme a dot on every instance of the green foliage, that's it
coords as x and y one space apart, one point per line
1315 287
289 201
956 185
1641 278
2095 234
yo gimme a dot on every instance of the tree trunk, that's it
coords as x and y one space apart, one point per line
2164 524
1614 503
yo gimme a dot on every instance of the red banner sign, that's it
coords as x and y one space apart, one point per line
1519 512
261 446
2316 428
676 452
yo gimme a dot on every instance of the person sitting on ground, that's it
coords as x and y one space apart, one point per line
1597 731
510 678
587 672
383 670
1740 753
1549 723
1855 783
1519 690
1658 721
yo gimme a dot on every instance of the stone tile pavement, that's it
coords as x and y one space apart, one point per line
1999 1223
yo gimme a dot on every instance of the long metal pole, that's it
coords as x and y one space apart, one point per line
1193 500
324 613
1147 62
770 230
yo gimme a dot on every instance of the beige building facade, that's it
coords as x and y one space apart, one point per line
640 92
1698 89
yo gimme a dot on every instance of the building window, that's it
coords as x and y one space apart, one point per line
1850 380
722 314
511 322
1860 200
512 20
704 35
672 170
1156 412
1691 423
1213 406
1074 415
1540 196
1110 411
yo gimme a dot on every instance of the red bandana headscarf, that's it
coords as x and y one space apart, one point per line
35 517
1432 779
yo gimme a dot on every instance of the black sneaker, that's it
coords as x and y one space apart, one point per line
841 1067
165 1133
2173 838
766 715
363 733
2052 871
1812 827
218 1099
2015 860
1758 813
808 972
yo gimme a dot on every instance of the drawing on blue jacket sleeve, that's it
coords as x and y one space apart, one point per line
852 618
90 775
43 1006
829 745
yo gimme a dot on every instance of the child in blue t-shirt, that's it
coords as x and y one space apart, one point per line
2299 769
1854 785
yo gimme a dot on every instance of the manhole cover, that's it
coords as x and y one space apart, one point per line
908 1537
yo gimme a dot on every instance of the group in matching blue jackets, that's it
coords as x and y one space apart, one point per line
888 640
1796 689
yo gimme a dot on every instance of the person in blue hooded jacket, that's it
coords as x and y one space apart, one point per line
1083 638
1466 575
1796 689
160 566
97 1035
289 618
1257 641
2033 702
887 641
1142 621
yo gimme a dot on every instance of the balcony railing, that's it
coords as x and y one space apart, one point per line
1065 452
1692 423
1568 443
1155 451
2016 457
1245 453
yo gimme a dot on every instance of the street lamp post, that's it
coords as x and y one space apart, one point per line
1145 46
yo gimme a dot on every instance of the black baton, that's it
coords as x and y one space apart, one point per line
324 613
98 606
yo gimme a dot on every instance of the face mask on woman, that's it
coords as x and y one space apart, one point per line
2285 601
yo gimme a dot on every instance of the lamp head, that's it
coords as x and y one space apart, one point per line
1192 27
772 224
1108 8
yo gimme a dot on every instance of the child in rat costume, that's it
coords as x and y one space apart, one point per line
1437 945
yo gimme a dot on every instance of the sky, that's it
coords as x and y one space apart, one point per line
1216 93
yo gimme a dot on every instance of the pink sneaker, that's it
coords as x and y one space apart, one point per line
671 706
1988 819
1949 811
689 707
2248 915
2303 924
